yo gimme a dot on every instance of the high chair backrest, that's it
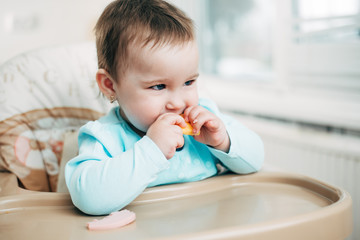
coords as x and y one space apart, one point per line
44 94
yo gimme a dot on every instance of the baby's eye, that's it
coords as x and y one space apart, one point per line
158 87
190 82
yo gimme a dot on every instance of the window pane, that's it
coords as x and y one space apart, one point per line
239 37
326 21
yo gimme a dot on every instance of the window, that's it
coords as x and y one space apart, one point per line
296 60
325 41
240 36
326 21
309 43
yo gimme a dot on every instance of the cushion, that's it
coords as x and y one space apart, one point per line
44 94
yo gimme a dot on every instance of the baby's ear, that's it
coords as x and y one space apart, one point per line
105 83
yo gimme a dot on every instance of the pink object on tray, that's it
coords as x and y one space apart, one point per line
114 220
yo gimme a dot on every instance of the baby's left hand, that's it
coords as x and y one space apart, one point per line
212 129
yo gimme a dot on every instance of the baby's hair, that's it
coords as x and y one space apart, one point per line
143 22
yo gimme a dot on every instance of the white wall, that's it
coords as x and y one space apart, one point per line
25 25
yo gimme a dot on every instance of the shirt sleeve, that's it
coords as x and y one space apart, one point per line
246 154
100 183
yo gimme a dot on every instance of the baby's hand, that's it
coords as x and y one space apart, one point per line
212 129
167 134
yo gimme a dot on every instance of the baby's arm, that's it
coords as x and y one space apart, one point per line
246 153
246 150
100 183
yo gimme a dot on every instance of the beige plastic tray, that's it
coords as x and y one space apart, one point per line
266 205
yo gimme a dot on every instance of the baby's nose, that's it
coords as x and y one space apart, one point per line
175 103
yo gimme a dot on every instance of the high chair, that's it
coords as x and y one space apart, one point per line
47 94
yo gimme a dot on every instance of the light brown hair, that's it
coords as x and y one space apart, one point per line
124 22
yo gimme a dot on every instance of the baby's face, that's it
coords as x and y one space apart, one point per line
159 80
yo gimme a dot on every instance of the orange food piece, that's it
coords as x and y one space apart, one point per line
188 130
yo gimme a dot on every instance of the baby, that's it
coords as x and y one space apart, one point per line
148 64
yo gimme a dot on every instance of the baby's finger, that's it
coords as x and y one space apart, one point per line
173 119
187 112
199 121
194 113
206 119
212 125
180 122
180 142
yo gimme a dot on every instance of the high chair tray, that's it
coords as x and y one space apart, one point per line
265 205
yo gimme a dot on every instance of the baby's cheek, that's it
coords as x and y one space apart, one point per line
192 98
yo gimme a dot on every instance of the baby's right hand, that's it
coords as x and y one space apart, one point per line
167 134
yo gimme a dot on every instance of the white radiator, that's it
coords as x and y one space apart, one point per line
330 157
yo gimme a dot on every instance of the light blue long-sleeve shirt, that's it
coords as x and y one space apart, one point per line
115 164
